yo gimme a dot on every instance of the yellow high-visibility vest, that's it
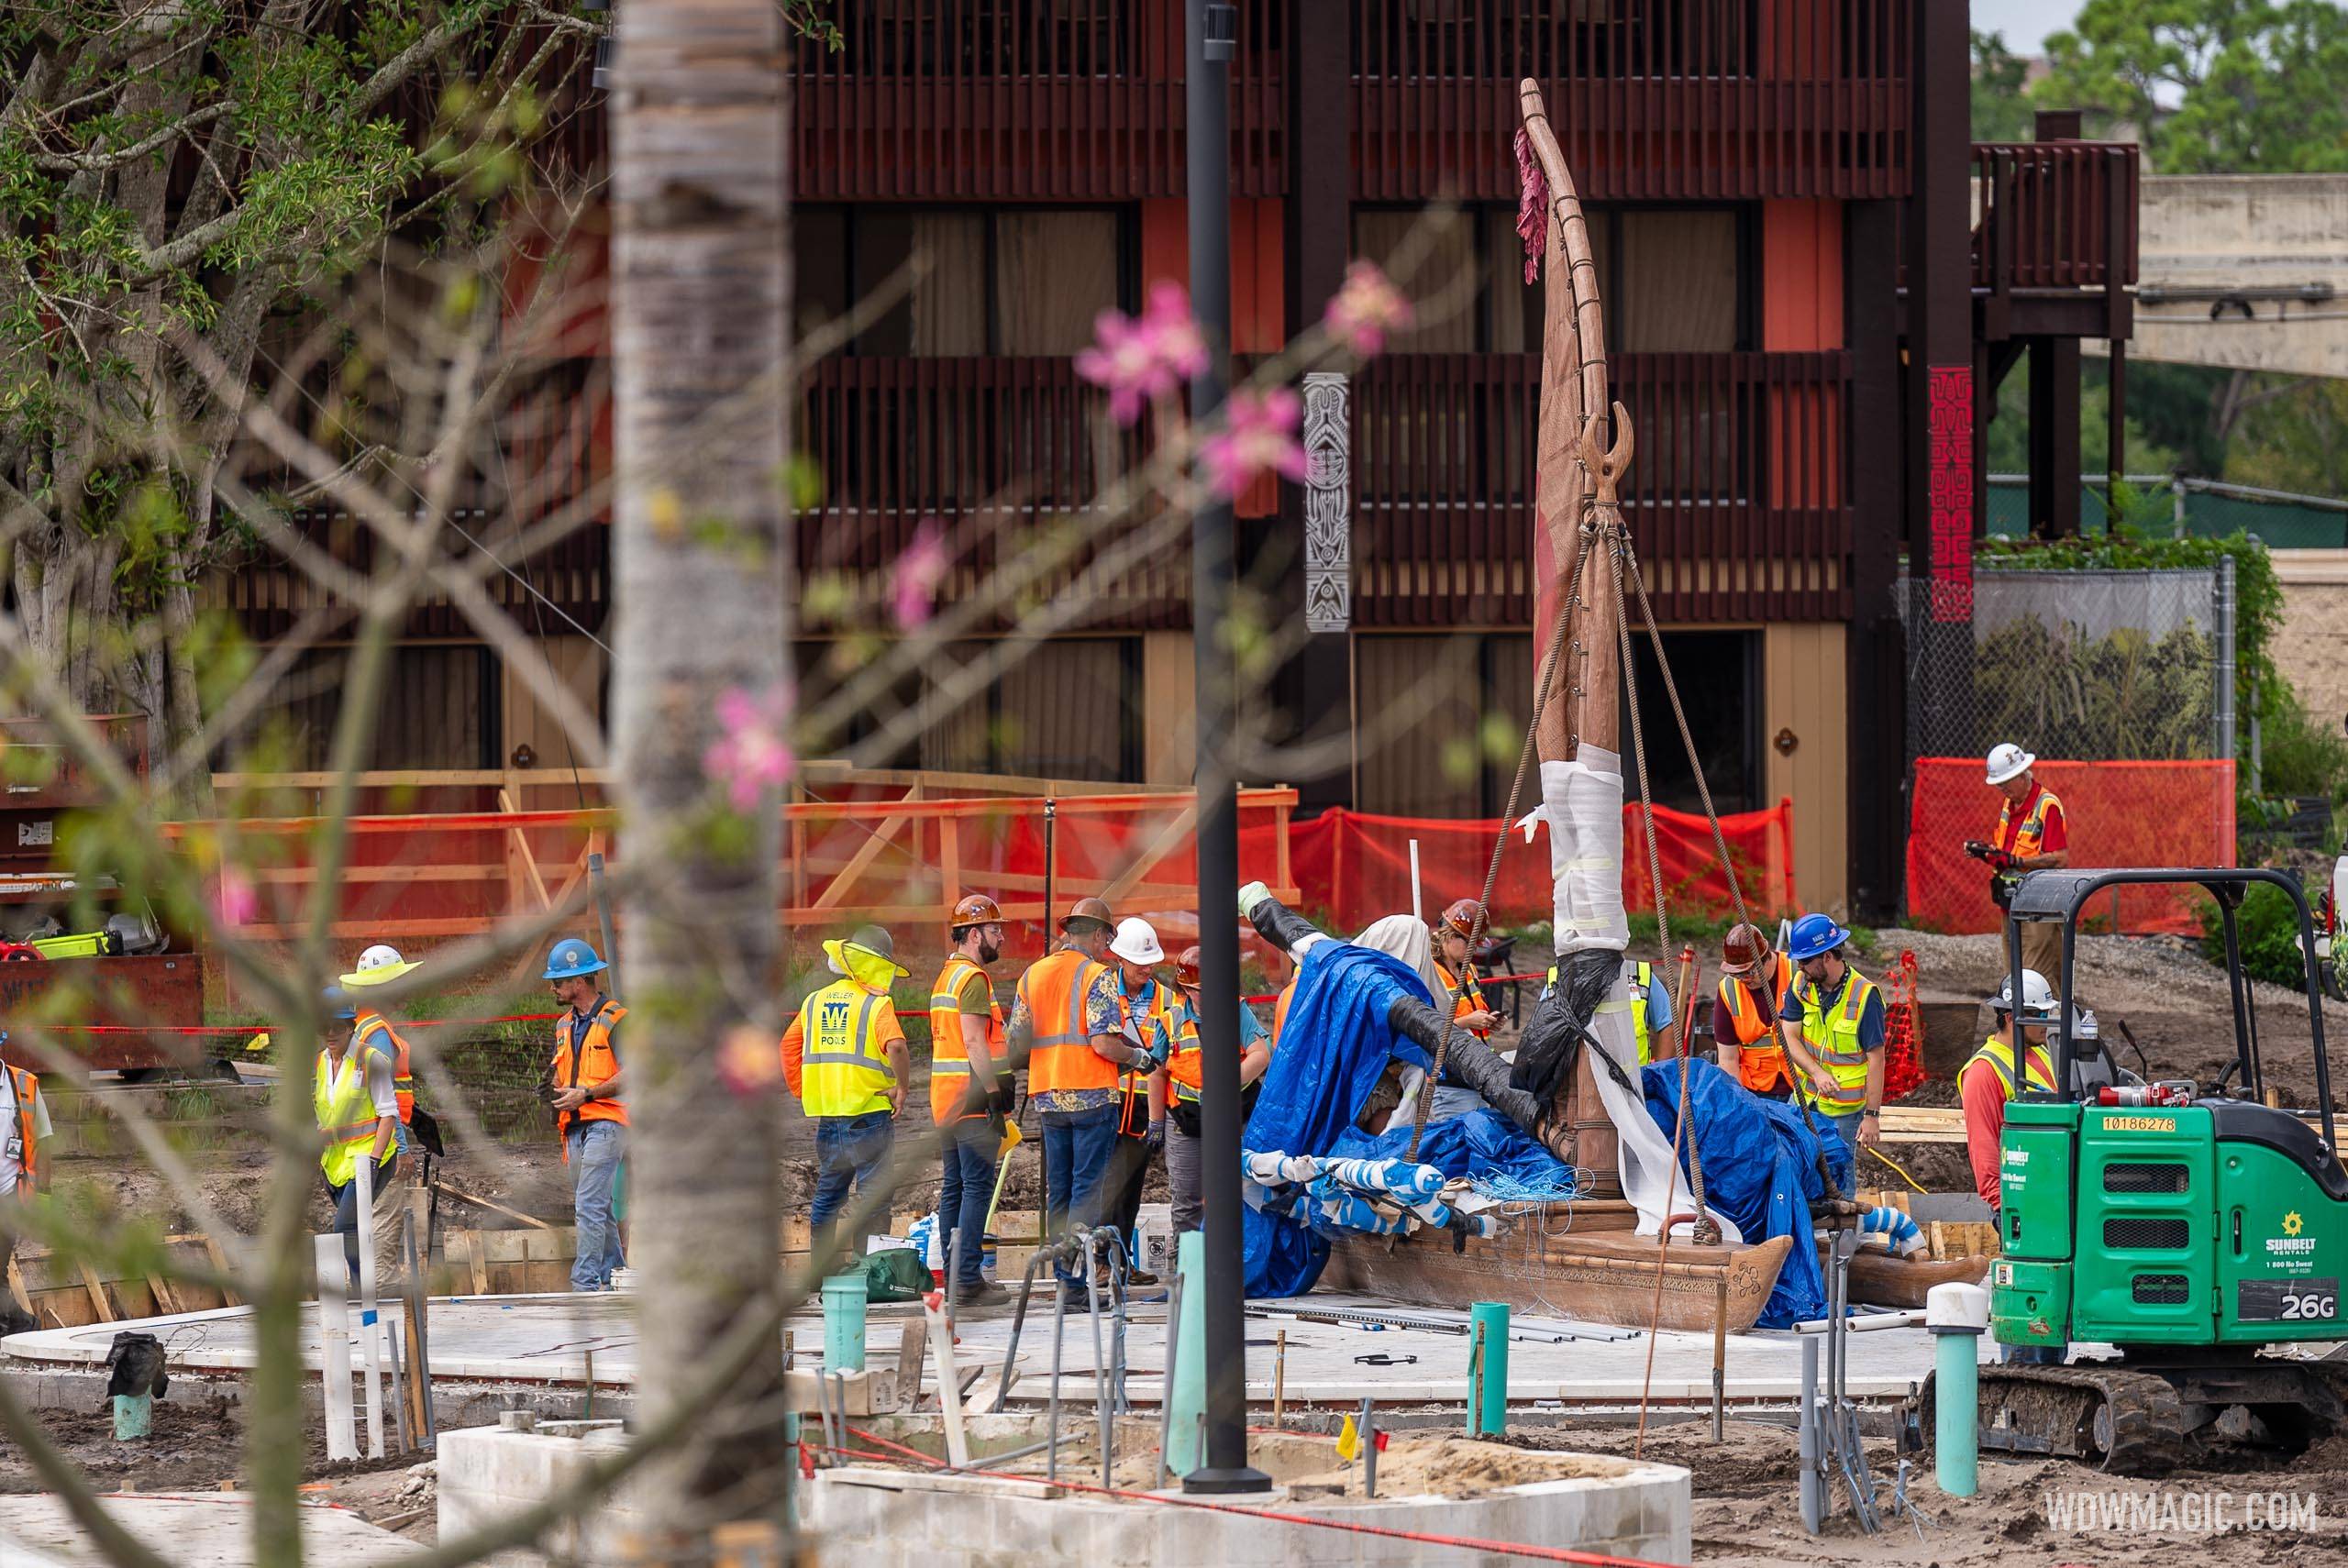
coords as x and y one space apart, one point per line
845 1065
346 1112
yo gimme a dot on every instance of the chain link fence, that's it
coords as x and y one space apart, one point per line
2188 508
2090 666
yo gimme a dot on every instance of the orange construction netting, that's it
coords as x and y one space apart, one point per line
1353 869
2117 813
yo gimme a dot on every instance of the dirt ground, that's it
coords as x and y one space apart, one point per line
194 1445
1746 1510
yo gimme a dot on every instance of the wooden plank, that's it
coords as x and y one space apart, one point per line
98 1292
164 1300
17 1290
1938 1241
858 863
524 854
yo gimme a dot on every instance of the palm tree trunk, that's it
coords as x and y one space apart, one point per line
701 296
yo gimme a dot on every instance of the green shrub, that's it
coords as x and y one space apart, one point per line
2269 926
2300 754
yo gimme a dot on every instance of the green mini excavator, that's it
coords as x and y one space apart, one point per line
2182 1244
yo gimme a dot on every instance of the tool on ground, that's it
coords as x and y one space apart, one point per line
1380 1358
1002 1168
1834 1418
949 1392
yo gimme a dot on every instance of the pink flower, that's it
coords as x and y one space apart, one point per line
750 1061
1366 309
920 569
1259 433
754 754
236 900
1143 359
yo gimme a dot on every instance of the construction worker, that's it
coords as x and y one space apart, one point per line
378 966
588 1113
969 1092
24 1122
1830 1025
1151 1006
358 1116
2032 835
1184 1073
1988 1078
1067 1025
1744 1017
1457 966
843 1056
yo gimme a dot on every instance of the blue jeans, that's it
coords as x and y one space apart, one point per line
595 1148
1077 1146
848 1149
1848 1126
968 1149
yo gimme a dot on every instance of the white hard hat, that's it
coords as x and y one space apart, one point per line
377 965
2008 761
2037 998
1137 942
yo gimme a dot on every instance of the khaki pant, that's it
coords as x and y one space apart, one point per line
2041 949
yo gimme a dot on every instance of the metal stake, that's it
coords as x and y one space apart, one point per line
1368 1454
1052 1409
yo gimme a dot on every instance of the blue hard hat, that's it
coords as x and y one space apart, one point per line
338 1003
572 958
1814 934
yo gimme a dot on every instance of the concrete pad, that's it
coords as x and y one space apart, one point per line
192 1529
549 1342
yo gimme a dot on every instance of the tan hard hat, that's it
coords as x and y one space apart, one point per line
1186 968
1741 948
1461 917
976 908
1096 909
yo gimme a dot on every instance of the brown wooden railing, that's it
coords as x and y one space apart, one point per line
999 448
1651 98
2054 214
1734 499
931 100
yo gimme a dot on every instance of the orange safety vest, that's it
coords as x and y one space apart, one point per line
2030 838
1159 1004
949 1053
403 1078
1761 1056
586 1062
1061 1056
1471 996
26 1089
1279 1011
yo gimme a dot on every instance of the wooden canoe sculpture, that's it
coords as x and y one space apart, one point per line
1599 1258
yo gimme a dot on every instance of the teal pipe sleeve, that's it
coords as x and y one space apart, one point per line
1958 1315
1190 1390
1488 1386
845 1298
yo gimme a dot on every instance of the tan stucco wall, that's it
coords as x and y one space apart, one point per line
1802 683
2311 651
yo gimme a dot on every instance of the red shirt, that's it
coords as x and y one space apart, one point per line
2013 822
1985 1122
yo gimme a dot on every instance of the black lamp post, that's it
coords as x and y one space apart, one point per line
1213 38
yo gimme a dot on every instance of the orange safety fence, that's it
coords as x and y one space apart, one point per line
2116 813
1355 867
844 862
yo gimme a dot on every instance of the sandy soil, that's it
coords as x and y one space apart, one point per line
1746 1510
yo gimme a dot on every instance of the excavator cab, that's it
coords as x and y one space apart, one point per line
2182 1225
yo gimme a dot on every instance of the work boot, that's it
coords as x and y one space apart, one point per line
986 1293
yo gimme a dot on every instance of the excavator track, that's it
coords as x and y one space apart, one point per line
2124 1422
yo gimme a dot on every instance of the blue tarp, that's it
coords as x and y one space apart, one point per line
1477 1146
1311 1097
1760 1170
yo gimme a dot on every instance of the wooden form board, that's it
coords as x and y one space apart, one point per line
62 1294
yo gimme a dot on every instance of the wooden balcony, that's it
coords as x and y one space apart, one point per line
1651 99
1736 499
2054 237
1025 100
